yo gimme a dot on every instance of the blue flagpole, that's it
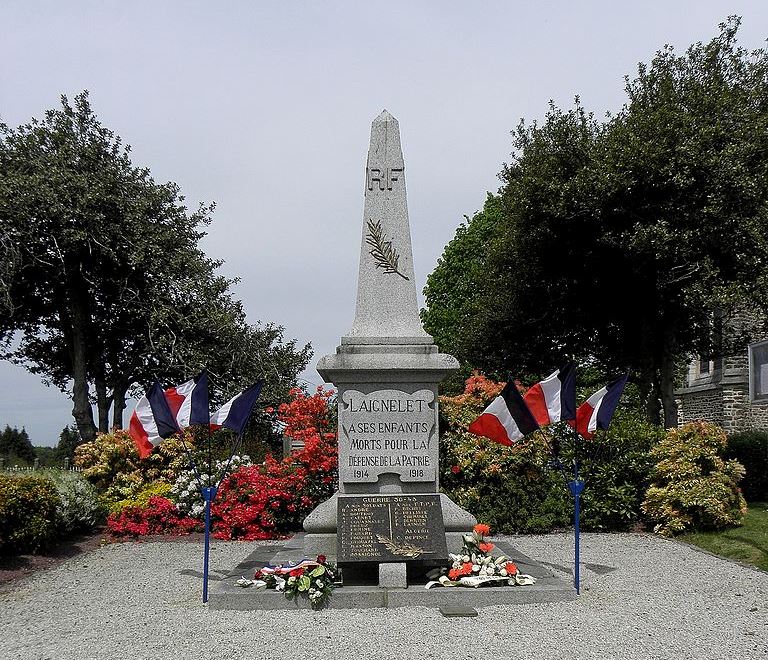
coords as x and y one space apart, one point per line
576 487
209 494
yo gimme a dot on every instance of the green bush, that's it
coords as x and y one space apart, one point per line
693 487
750 448
80 508
29 518
616 466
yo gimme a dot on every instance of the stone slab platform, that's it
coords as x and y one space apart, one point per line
223 594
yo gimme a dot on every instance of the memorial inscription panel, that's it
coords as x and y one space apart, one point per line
391 528
387 431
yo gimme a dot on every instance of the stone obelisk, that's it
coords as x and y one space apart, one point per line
386 369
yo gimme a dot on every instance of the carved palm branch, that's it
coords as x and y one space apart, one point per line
401 549
384 255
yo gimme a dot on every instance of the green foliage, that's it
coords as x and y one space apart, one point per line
28 513
69 439
750 448
451 291
16 447
616 466
80 508
693 487
48 457
659 209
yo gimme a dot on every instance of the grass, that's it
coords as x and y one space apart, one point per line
748 543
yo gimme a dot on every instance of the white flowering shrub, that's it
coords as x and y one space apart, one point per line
186 490
80 507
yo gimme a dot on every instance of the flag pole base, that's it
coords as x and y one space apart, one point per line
209 494
576 487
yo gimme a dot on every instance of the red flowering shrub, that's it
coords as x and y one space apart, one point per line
307 416
159 516
265 501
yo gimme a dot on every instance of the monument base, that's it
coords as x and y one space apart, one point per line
323 519
225 595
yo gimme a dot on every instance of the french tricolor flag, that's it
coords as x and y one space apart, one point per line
507 419
234 413
161 413
152 421
554 398
596 412
189 401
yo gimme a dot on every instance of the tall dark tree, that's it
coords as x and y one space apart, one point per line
625 243
69 439
104 283
16 445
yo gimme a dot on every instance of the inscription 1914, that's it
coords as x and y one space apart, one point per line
383 178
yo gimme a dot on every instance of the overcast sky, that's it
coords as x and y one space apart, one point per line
265 108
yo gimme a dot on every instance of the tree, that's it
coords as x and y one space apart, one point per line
628 243
16 445
451 289
69 439
105 285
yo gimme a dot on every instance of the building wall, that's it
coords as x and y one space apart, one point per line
722 395
705 405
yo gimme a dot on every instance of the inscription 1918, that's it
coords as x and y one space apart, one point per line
383 178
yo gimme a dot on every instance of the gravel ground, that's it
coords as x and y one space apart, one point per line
644 597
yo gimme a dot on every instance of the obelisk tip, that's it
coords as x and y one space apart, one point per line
384 117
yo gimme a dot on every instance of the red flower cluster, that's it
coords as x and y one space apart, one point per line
456 573
261 502
160 516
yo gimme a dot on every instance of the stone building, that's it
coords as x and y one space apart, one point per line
731 391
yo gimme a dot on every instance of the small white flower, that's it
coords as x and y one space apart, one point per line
465 559
475 568
320 584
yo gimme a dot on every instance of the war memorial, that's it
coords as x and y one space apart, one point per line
388 524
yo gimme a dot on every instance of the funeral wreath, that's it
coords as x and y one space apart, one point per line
475 566
314 580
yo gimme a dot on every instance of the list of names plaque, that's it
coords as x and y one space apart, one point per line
391 528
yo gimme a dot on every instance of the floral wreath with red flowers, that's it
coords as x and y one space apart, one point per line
475 565
314 580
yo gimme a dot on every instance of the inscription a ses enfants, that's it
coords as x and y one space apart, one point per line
387 431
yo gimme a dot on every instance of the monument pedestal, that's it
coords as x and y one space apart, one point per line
405 376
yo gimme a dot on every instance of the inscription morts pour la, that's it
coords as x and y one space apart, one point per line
387 431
